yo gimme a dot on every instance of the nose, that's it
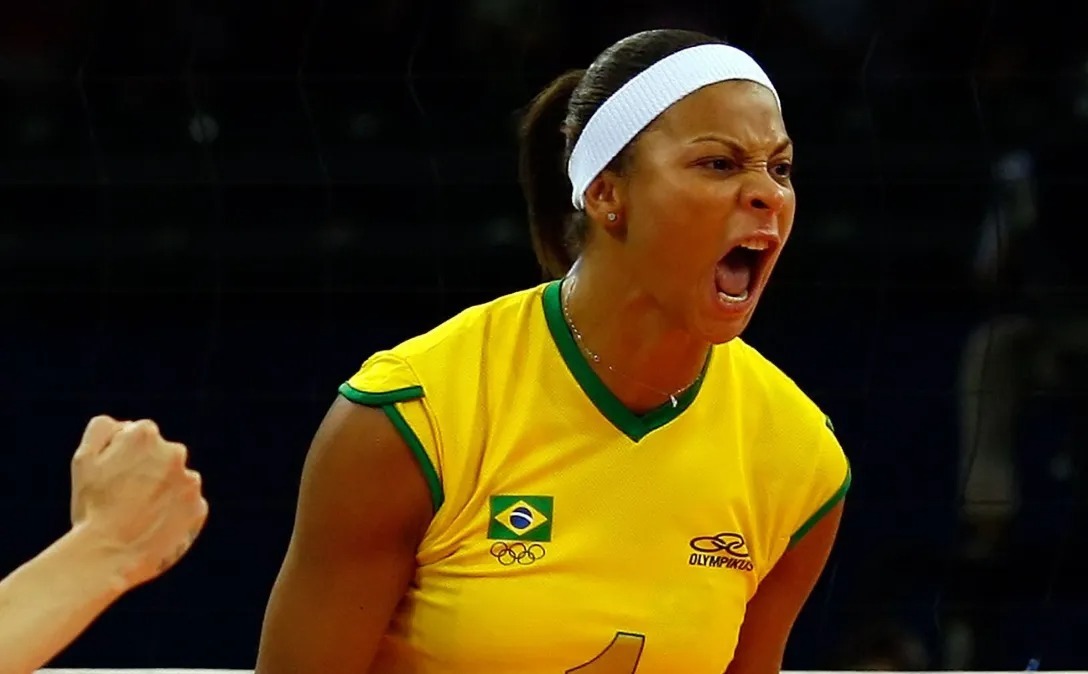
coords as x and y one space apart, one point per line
762 193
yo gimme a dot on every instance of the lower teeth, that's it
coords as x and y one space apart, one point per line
726 297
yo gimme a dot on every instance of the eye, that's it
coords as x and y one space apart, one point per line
783 169
719 164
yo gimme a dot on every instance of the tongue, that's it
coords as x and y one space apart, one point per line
732 277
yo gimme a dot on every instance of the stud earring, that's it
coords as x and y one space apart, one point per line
611 217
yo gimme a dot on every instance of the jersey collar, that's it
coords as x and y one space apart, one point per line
634 426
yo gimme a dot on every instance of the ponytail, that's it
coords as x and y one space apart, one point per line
543 175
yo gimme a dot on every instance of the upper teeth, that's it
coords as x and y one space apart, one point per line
754 244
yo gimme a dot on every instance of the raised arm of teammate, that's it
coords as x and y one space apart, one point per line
771 613
136 509
362 510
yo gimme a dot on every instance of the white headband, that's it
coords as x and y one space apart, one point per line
647 95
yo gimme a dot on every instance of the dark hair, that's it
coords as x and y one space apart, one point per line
552 125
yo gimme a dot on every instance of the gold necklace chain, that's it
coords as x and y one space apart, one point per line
592 355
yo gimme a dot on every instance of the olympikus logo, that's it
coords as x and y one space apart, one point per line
720 562
723 551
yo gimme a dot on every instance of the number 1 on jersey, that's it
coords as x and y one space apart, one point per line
621 656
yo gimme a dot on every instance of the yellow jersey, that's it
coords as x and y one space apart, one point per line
571 535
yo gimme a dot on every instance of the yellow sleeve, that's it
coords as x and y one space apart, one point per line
828 484
387 381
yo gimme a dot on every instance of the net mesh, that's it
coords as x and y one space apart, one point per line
213 219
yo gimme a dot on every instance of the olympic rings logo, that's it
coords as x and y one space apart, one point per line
517 553
731 544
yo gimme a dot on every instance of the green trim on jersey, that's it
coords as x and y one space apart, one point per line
434 483
827 507
378 399
387 402
630 424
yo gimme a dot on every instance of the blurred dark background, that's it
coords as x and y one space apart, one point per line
211 213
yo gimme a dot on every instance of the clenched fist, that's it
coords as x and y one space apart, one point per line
132 489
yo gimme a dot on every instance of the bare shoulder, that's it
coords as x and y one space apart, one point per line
359 465
363 508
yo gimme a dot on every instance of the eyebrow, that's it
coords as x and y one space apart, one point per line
736 147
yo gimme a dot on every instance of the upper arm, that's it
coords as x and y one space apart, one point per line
814 511
770 614
363 507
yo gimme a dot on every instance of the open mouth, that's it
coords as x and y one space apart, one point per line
738 271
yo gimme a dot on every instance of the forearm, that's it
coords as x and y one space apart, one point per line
49 601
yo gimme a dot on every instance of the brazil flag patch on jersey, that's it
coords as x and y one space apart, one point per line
520 518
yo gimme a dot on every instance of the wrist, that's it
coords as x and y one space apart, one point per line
105 564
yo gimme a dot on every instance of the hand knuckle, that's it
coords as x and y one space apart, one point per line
180 452
97 434
103 420
171 455
143 430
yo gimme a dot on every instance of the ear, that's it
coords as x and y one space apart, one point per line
606 195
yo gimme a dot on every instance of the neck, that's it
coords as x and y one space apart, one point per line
643 357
